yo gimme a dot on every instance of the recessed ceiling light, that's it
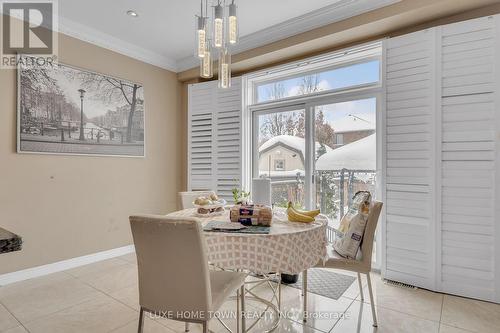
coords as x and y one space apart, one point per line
132 13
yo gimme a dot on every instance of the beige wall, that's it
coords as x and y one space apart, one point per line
69 206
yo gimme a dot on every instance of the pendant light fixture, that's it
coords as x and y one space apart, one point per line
218 25
232 24
224 68
218 33
206 63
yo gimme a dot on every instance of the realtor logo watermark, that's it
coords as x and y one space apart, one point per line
28 28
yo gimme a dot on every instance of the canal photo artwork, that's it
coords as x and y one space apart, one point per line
68 110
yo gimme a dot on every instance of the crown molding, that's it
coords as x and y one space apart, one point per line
338 11
96 37
101 39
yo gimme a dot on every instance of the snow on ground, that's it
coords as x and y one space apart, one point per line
288 173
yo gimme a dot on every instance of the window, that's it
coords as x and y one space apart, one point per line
343 168
339 139
313 130
278 138
326 80
279 165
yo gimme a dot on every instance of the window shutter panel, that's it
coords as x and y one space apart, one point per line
200 137
228 139
468 158
443 159
214 137
410 112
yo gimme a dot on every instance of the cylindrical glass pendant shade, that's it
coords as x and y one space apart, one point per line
218 25
232 29
206 63
224 68
201 36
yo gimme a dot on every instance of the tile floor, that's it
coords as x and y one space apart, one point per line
103 297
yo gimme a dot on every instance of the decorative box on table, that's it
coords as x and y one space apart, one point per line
252 215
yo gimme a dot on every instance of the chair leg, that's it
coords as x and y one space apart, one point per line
279 293
304 293
141 321
186 327
238 311
372 301
360 287
243 314
205 327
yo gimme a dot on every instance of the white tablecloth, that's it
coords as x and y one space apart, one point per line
290 247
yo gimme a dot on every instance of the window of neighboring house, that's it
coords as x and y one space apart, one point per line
279 165
339 138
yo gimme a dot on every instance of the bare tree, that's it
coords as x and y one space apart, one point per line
293 123
34 82
323 130
112 89
282 123
309 84
276 91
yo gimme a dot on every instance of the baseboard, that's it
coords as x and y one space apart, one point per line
59 266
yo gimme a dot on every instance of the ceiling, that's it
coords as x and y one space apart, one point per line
163 33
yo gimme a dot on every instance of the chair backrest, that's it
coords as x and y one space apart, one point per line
186 198
172 264
369 235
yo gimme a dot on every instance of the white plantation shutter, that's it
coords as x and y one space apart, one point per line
200 137
409 165
468 157
442 183
214 137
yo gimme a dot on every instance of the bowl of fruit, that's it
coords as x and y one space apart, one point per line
209 205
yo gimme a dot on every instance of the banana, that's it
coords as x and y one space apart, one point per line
311 213
295 216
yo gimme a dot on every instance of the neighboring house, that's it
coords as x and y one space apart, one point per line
283 155
353 127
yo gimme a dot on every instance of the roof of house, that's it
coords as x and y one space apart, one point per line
354 122
358 155
293 142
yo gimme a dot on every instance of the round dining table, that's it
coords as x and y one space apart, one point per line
289 247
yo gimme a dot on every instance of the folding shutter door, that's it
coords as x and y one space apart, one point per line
443 161
468 158
409 252
214 137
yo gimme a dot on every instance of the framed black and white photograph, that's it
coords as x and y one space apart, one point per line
67 110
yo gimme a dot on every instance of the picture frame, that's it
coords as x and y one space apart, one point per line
67 110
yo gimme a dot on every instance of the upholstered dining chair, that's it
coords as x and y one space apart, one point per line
362 265
174 278
186 198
